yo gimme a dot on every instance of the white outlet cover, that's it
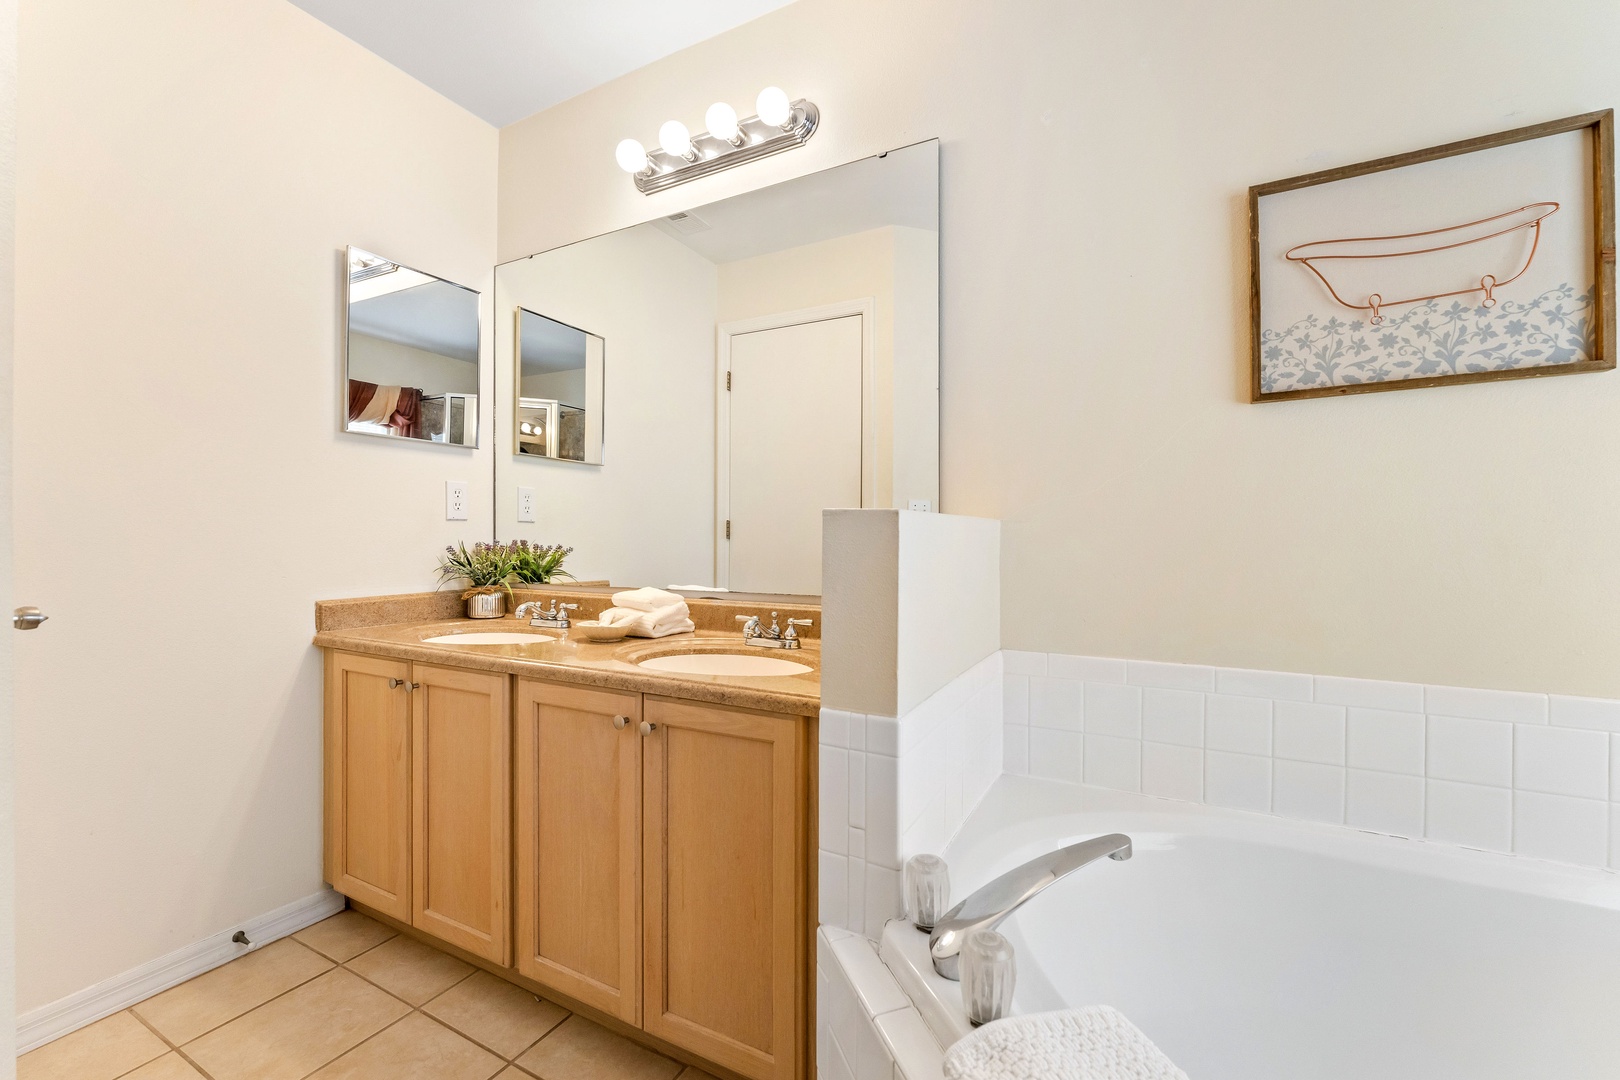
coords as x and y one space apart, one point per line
525 505
455 500
924 506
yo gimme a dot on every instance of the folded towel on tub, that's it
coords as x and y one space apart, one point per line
646 599
1093 1043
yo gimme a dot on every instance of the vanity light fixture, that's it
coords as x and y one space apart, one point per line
778 124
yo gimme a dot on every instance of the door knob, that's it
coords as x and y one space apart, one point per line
395 684
27 618
648 727
621 722
412 686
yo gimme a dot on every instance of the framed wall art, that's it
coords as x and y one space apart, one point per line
1487 259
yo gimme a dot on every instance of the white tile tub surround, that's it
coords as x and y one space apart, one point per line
1532 774
866 1027
893 788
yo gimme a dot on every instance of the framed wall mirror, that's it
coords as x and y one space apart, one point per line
410 354
774 354
559 390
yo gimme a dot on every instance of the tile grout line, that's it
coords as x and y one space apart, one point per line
172 1046
177 1047
359 1044
414 1007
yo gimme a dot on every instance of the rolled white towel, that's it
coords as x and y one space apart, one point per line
646 599
1093 1043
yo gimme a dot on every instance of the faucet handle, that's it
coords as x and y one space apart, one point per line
793 634
567 607
750 625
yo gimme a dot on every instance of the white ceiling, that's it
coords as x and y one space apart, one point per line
438 317
900 187
507 59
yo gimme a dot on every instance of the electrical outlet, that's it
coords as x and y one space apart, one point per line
526 505
455 500
922 505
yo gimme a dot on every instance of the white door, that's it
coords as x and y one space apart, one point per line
795 449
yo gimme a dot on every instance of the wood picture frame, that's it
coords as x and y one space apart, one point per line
1366 314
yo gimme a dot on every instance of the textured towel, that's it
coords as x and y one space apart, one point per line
649 624
646 599
1093 1043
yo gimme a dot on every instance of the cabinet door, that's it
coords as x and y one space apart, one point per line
724 849
368 781
461 794
579 843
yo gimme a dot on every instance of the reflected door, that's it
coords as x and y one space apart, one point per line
795 449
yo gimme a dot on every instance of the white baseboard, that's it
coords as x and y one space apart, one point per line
39 1026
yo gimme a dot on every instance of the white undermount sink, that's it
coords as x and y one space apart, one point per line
497 638
724 664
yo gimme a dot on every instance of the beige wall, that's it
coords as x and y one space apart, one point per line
901 618
645 516
190 173
8 281
389 363
1095 163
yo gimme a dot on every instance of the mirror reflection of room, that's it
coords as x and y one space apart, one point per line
411 354
559 405
775 354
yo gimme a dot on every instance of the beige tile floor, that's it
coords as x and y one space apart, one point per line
347 999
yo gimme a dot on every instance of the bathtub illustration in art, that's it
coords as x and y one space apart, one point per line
1370 273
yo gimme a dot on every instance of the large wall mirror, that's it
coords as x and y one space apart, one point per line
772 355
410 354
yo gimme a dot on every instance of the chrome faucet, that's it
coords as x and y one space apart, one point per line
774 638
989 906
554 617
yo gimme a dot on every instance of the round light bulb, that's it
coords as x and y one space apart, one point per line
675 139
773 106
631 156
721 120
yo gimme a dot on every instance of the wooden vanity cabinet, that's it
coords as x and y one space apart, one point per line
418 796
578 770
461 798
368 781
724 852
644 856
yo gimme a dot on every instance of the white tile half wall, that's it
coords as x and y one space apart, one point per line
891 788
1532 774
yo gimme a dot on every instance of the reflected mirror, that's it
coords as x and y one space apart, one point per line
774 354
559 403
410 354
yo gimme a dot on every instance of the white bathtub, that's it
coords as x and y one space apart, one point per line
1251 948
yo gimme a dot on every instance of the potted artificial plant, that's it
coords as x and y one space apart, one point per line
540 564
487 569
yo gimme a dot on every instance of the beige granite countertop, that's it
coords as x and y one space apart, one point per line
571 660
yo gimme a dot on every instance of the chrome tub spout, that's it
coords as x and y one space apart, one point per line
986 908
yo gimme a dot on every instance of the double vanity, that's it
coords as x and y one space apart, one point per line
625 827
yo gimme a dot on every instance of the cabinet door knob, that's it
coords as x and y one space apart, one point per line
412 686
648 727
621 722
395 684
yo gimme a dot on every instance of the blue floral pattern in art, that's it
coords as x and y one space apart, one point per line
1434 338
